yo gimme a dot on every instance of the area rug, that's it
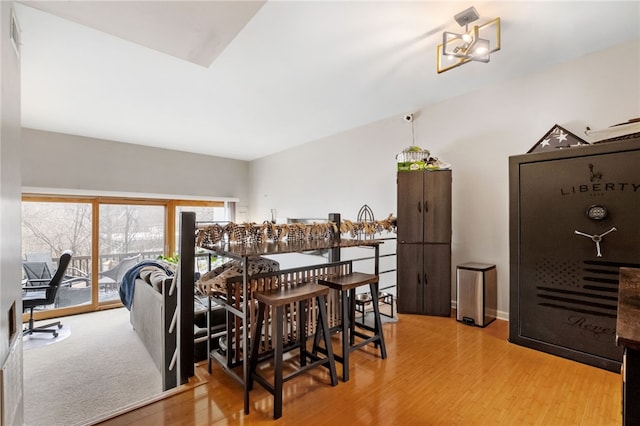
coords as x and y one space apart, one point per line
41 339
100 368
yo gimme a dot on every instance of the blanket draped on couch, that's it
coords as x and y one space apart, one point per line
128 280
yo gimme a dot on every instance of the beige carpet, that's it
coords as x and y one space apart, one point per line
100 367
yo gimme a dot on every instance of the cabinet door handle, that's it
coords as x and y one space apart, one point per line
426 209
419 207
418 276
425 279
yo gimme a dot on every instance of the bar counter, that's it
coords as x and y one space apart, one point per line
238 306
235 250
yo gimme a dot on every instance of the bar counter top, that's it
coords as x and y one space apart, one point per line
280 247
628 323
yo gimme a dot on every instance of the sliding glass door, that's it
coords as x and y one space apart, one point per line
128 234
107 235
48 229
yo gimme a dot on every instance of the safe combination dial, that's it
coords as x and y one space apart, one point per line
597 212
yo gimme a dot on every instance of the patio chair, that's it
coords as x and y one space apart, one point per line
43 292
34 262
34 271
74 290
111 278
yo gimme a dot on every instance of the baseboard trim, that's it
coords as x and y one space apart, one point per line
501 315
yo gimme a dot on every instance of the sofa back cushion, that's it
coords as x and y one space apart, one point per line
154 276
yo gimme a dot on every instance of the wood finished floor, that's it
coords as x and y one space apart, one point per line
438 372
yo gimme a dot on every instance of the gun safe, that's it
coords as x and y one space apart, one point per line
574 221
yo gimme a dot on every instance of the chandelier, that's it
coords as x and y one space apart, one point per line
475 44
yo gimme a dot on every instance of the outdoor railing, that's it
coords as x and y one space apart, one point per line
83 263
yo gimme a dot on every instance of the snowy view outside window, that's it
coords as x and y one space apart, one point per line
126 234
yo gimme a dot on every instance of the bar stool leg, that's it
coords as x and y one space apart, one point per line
324 328
316 339
352 316
255 344
302 332
346 326
277 380
378 323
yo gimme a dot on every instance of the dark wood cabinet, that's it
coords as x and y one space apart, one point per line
424 242
425 273
424 207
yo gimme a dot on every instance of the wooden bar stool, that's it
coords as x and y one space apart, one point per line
346 285
278 299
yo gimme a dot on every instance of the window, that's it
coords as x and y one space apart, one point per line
48 229
128 234
107 236
205 212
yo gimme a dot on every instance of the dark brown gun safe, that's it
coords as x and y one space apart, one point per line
574 221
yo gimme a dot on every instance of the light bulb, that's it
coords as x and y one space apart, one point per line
466 37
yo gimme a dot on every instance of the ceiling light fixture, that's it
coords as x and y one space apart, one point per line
475 44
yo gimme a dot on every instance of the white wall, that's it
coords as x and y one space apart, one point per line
476 133
10 218
55 160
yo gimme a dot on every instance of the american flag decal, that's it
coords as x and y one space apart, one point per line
588 288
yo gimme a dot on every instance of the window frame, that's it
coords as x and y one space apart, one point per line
169 246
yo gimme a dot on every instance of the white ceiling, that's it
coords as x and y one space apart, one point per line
243 79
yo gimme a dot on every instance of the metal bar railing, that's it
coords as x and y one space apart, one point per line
83 263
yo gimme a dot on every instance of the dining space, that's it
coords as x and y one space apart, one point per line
283 323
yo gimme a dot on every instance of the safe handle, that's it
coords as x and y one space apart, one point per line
596 238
